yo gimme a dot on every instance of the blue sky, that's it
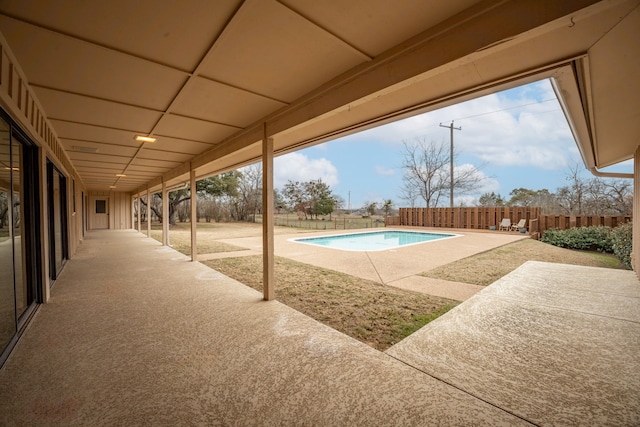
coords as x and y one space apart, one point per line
516 138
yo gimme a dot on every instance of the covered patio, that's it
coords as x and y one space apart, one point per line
136 334
103 104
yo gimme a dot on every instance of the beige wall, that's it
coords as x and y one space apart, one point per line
119 210
120 207
635 254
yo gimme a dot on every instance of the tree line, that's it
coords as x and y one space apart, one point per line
581 196
237 195
427 177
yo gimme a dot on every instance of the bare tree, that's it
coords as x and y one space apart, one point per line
426 173
595 196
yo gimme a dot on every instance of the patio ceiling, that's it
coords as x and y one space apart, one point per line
208 79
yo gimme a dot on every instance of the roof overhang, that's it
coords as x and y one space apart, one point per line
211 91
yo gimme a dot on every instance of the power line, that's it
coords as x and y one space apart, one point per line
498 111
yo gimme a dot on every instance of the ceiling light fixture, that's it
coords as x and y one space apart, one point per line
121 175
112 186
142 138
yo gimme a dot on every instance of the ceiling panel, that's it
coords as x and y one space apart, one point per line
215 102
193 129
109 168
169 164
392 21
163 155
145 168
175 145
97 157
177 34
270 50
83 147
84 132
60 62
81 109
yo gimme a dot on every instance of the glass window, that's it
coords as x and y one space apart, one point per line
8 324
101 206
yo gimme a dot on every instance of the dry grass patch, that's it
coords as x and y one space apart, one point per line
487 267
377 315
180 240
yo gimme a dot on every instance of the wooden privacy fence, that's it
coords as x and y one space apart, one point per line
479 218
563 222
483 218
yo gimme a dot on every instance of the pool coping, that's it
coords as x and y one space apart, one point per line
302 239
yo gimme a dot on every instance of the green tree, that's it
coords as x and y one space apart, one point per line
387 206
521 197
371 207
491 199
320 199
312 198
224 184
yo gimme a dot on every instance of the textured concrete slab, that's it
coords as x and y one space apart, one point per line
135 334
385 266
441 288
553 344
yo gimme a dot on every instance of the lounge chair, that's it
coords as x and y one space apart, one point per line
505 224
519 225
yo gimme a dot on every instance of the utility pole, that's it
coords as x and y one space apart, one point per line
451 161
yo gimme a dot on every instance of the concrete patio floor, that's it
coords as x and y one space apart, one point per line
136 334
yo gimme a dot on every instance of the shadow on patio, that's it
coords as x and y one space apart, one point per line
136 334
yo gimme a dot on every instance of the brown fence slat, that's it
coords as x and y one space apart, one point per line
482 218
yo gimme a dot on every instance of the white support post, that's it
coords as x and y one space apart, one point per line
165 215
194 216
267 218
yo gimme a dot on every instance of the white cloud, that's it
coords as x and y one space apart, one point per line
299 167
521 127
384 171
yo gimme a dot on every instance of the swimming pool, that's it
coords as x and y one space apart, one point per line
373 241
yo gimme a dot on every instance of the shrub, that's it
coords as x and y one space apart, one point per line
582 238
622 239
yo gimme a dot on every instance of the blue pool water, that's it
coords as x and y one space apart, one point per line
374 241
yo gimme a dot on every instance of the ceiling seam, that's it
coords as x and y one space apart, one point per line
249 91
94 43
191 76
355 49
98 98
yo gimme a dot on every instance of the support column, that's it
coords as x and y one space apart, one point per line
165 215
139 213
267 218
194 216
148 213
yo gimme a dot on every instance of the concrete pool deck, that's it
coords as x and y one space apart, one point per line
136 334
394 267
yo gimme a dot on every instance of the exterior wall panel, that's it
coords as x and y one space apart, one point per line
635 254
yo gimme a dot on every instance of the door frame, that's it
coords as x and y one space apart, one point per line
92 212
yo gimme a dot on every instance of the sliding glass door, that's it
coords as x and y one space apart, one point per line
8 319
57 189
19 243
